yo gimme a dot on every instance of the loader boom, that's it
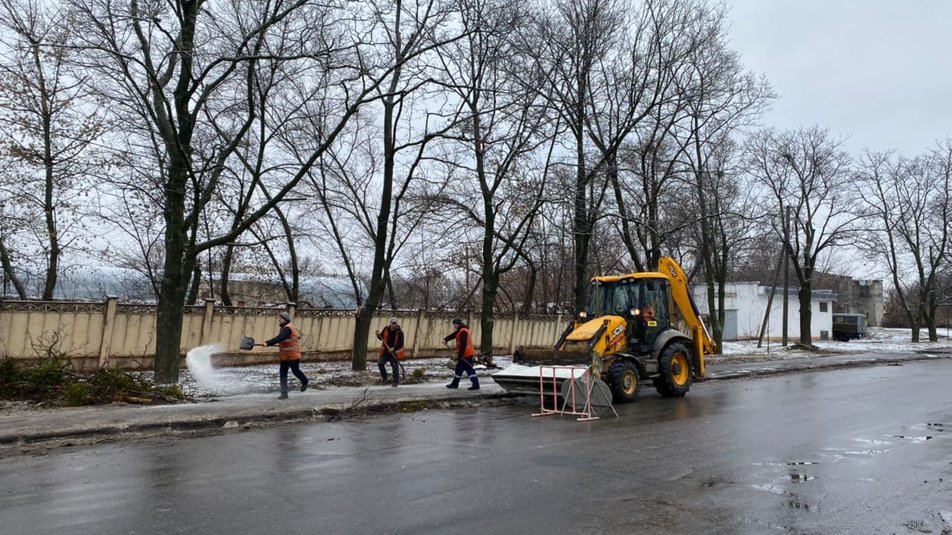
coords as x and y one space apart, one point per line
701 339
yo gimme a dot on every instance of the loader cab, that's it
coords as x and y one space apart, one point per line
642 301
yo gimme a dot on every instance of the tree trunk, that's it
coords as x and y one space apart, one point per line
378 276
169 323
49 211
527 307
294 288
928 318
193 288
582 238
361 337
721 313
179 259
223 292
914 327
488 316
9 274
806 313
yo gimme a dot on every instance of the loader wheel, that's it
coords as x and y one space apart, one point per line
623 381
675 367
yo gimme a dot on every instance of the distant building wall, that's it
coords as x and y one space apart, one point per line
749 300
855 296
118 334
868 299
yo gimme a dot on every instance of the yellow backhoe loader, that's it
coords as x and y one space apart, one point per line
635 328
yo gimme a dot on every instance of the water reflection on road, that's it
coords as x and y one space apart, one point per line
861 450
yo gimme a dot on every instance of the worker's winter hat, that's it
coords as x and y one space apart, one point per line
457 321
393 320
285 316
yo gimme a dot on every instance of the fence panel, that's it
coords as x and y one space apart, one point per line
96 334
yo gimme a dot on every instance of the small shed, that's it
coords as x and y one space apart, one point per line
745 304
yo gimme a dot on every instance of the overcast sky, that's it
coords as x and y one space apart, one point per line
876 71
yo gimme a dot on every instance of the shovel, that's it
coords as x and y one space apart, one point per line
390 349
247 342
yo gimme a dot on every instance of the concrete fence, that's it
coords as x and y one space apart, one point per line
123 335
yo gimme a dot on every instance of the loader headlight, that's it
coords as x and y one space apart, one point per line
582 314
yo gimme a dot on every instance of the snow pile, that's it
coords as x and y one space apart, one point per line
878 340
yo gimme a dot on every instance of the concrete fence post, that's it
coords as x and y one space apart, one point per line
416 333
108 322
512 334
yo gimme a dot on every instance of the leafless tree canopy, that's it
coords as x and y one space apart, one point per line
461 154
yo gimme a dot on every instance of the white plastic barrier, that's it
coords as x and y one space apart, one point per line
570 377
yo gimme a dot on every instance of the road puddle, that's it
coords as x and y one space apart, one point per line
914 439
800 478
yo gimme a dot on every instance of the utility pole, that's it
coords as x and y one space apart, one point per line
786 273
773 290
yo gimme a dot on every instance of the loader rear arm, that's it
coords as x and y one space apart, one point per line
701 339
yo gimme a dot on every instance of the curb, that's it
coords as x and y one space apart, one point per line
813 365
269 416
241 420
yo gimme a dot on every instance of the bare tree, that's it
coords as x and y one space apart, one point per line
672 32
502 126
568 40
370 180
50 128
174 69
720 101
908 204
806 173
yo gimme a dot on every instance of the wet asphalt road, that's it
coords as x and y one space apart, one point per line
860 450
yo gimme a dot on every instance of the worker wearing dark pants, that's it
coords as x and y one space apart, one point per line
391 351
465 352
289 353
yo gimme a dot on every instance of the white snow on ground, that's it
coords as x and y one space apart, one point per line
879 339
202 379
202 376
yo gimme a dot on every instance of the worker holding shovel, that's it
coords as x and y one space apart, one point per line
391 351
465 354
289 353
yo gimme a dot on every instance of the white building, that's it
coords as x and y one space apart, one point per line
746 302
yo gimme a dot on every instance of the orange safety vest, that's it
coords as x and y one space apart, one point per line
387 342
290 349
469 350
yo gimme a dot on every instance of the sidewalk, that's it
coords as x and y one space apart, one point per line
26 429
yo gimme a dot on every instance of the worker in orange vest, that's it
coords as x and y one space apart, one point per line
465 352
391 351
289 353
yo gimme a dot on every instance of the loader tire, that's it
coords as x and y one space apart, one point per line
674 365
623 381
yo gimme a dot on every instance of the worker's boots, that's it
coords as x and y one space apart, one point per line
454 384
475 381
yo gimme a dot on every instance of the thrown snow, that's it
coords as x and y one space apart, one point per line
200 366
